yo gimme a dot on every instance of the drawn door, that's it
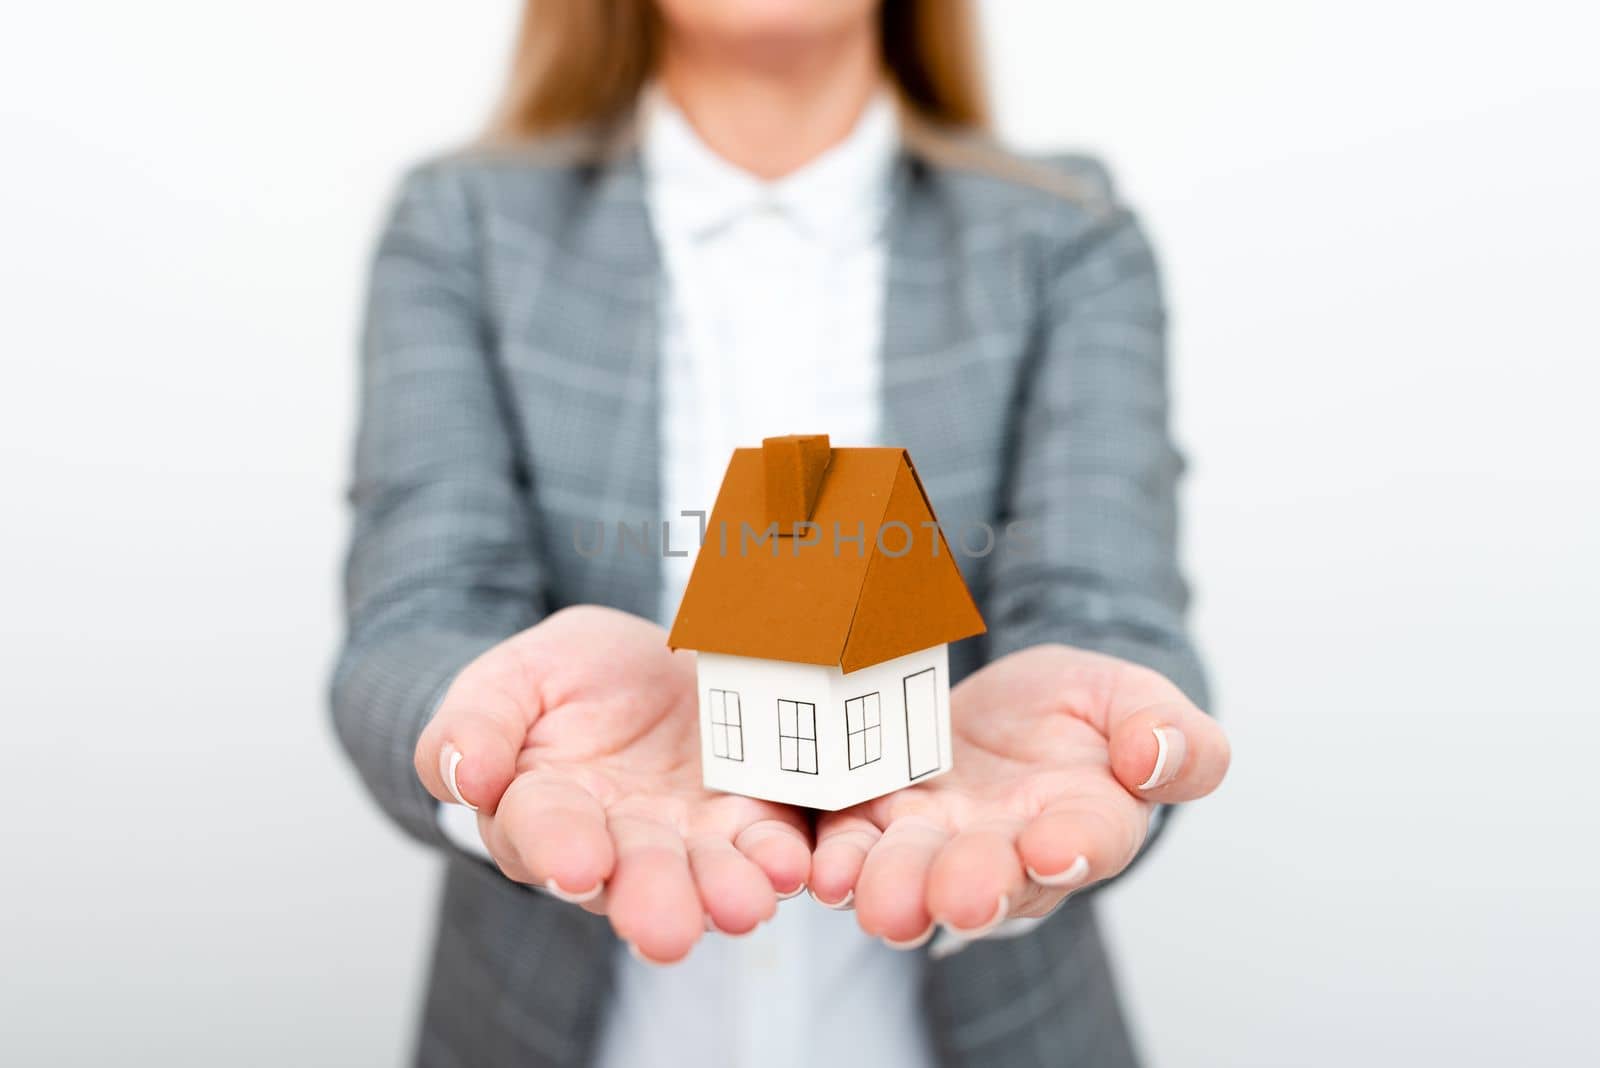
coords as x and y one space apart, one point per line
922 723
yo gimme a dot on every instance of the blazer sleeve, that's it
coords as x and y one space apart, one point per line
442 560
1094 473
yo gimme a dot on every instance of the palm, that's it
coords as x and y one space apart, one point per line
605 787
612 708
1018 750
1032 787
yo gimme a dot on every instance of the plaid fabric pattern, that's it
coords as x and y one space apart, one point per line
509 393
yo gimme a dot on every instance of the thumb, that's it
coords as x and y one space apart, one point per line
468 752
1168 751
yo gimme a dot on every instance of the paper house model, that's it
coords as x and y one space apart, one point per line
821 606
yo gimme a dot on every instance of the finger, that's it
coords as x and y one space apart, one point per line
977 878
557 831
843 842
891 895
653 904
1082 840
780 850
734 891
468 752
1168 752
501 851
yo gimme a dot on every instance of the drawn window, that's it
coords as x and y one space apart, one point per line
863 724
727 728
797 736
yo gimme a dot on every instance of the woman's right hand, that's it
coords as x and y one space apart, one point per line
578 743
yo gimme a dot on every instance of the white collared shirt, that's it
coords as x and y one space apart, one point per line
772 318
773 304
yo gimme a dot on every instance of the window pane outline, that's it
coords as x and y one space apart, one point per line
727 725
863 722
797 724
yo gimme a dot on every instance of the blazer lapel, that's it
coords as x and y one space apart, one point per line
584 351
944 396
619 229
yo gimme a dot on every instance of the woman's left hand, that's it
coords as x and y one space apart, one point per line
1060 757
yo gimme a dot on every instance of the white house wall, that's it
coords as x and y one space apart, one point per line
765 747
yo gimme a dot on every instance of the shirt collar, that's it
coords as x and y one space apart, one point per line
839 198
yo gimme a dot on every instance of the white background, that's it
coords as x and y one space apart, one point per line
1379 221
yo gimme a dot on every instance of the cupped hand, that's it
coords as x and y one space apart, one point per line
578 743
1060 757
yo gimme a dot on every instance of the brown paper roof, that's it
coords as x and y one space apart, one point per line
809 603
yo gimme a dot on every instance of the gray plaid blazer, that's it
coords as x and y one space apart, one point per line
509 391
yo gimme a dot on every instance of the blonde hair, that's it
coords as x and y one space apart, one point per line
583 63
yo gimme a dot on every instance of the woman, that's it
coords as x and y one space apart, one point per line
703 222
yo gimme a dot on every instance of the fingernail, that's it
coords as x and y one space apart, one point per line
913 943
849 896
449 761
1000 914
796 892
1171 749
1075 873
568 896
